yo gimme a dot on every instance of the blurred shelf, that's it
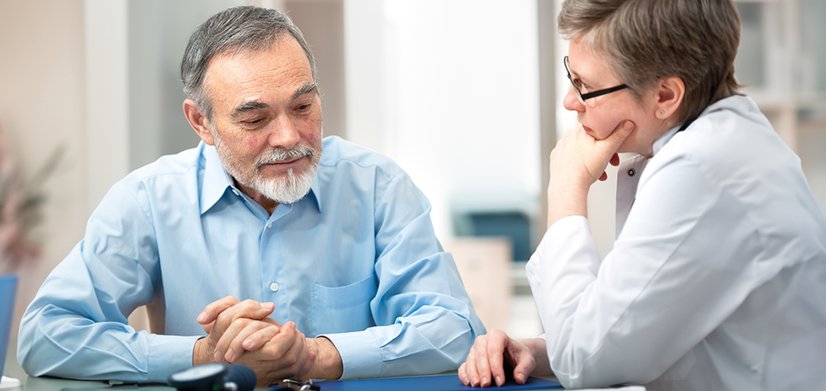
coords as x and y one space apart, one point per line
519 279
782 62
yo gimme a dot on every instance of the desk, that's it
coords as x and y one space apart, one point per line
53 384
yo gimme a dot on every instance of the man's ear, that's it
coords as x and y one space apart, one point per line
198 121
670 95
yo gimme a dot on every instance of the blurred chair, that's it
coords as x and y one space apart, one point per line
512 223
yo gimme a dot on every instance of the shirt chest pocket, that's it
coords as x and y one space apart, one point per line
342 309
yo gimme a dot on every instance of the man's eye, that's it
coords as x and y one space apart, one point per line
253 121
303 107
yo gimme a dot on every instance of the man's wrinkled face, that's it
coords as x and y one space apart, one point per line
266 119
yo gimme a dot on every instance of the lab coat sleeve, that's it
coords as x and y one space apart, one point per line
674 275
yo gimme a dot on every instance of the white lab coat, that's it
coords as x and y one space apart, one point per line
717 279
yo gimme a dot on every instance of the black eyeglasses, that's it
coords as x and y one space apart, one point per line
588 95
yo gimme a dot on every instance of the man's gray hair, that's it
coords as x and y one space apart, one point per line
233 30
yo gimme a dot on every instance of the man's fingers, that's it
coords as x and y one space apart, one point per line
259 338
249 309
286 353
278 346
212 310
295 356
225 338
236 346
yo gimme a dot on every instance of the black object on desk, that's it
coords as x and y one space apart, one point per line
214 377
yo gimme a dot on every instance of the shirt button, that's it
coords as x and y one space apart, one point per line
274 287
631 172
269 225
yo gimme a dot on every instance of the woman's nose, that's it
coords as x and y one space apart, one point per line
572 101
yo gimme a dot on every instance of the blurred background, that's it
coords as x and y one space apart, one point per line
464 94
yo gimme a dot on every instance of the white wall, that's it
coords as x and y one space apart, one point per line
157 32
449 90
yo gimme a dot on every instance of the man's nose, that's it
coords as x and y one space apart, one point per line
283 133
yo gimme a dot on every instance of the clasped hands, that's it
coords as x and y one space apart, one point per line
242 332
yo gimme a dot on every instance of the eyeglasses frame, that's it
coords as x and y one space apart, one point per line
592 94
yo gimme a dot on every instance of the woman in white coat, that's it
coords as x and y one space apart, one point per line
717 277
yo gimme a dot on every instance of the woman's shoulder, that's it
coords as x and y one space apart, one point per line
731 131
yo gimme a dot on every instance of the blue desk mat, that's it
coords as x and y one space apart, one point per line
429 383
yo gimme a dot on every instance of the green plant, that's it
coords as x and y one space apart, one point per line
21 203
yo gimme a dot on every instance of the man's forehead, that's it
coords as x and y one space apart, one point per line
282 48
254 71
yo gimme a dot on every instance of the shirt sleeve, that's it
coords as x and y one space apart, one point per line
676 272
425 321
77 327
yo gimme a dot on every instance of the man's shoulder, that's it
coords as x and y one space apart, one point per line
172 167
339 152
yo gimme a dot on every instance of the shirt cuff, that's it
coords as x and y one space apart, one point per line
360 353
169 354
562 228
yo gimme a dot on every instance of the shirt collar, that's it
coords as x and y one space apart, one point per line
216 180
315 192
660 143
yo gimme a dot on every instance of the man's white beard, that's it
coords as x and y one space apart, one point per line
285 190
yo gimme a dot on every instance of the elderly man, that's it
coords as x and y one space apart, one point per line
336 246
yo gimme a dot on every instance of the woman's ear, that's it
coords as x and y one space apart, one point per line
670 95
198 121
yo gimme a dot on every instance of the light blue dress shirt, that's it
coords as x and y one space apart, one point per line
355 260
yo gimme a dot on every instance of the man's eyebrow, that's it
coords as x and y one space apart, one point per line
258 105
249 106
305 89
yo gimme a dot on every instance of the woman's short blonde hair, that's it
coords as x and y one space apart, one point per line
646 40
